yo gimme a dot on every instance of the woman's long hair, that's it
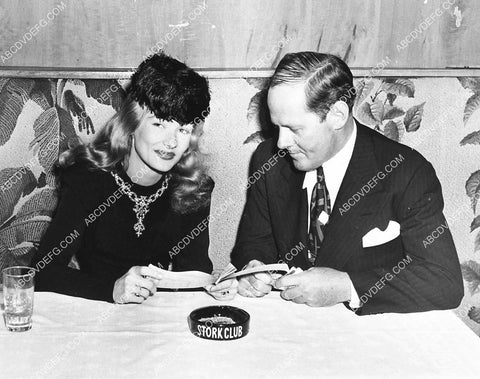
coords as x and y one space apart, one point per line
189 103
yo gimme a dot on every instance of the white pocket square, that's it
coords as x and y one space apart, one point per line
377 237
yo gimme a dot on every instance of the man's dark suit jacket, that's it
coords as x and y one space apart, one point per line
410 273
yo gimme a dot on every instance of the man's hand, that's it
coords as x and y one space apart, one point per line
255 285
225 290
317 287
135 286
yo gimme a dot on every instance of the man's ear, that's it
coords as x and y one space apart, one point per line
338 114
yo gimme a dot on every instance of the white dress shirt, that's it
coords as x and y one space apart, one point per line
334 170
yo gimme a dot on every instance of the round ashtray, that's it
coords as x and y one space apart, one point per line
219 322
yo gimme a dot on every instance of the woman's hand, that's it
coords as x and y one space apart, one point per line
225 290
135 286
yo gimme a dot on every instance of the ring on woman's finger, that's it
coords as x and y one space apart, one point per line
140 295
138 289
137 293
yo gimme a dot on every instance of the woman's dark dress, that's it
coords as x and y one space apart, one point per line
97 226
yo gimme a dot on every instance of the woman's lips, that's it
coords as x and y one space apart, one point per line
165 155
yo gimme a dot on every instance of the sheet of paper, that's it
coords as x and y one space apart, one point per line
198 279
278 267
226 271
182 279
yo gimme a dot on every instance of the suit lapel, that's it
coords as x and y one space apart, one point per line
291 212
344 231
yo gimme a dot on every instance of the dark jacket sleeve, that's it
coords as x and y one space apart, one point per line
189 250
255 237
429 277
62 240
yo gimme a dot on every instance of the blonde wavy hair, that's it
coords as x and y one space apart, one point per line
110 151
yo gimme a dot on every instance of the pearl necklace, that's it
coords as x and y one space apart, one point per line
141 202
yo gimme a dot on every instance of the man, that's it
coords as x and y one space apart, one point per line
357 206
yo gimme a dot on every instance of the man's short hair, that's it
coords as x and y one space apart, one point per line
327 79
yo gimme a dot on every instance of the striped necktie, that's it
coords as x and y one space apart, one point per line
319 203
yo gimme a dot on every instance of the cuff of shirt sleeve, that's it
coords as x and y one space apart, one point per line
354 302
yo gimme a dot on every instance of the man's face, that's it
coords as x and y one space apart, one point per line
309 141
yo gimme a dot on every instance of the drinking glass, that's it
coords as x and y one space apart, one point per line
18 287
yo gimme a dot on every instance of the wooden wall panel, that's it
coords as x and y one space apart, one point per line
237 34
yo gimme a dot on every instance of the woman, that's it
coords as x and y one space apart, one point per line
128 198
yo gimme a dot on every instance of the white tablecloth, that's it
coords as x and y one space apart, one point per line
78 338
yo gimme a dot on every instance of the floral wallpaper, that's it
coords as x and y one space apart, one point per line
40 118
55 113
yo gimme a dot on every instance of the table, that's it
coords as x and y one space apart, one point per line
79 338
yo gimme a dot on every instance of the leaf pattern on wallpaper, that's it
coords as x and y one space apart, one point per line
474 314
258 83
13 96
21 255
364 114
471 274
3 81
472 139
363 89
400 87
76 107
391 130
477 243
22 183
67 130
391 97
42 93
46 129
24 231
473 84
471 269
41 180
393 112
470 83
256 137
40 100
259 118
377 110
413 117
53 130
470 107
374 106
475 223
41 203
108 92
254 106
472 186
59 88
5 256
